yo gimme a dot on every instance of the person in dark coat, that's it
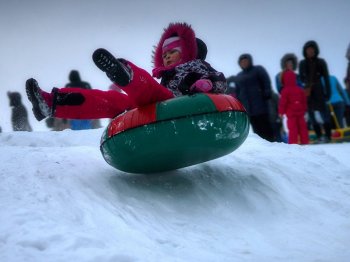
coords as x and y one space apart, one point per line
347 76
59 124
75 80
19 114
80 124
253 89
311 70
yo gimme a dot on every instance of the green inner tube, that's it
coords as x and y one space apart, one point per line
175 143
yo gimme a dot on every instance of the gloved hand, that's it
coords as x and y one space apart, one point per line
201 86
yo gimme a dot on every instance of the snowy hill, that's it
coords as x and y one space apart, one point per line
60 201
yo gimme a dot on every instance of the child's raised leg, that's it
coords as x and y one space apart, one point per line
141 87
76 103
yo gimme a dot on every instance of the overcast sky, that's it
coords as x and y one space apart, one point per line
45 39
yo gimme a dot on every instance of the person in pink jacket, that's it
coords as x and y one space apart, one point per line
176 62
293 104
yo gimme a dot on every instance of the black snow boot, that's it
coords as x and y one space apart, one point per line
117 70
39 100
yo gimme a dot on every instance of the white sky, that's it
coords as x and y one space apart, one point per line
46 39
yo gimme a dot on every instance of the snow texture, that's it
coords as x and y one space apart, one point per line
60 201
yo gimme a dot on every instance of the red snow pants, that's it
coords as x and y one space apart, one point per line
297 130
142 90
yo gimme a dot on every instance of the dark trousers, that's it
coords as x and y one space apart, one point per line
339 111
262 127
326 118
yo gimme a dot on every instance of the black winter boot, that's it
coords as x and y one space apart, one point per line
116 69
39 99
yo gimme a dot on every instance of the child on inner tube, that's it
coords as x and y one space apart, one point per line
178 61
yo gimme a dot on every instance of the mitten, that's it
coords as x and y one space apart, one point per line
201 86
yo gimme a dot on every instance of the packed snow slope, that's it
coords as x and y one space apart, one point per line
60 201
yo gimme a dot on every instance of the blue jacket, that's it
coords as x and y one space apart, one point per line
336 97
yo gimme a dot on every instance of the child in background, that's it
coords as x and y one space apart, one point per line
293 104
288 62
175 62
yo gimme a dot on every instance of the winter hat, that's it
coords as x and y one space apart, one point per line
289 57
172 43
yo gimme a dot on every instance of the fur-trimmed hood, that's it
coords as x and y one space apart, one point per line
289 57
188 46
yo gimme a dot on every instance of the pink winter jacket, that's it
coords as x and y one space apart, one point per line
293 101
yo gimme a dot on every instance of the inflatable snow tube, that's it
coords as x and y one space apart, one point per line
175 133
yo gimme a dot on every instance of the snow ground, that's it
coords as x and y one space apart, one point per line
60 201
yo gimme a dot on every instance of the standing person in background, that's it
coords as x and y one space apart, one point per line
311 70
347 86
347 76
339 99
288 62
293 104
80 124
75 80
59 124
253 89
19 114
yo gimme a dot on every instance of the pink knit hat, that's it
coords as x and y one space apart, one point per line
171 43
